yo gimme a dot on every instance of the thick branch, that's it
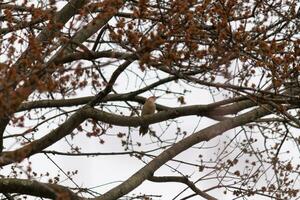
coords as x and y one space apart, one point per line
35 188
91 55
3 123
171 113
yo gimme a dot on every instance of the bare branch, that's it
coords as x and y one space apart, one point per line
203 135
184 180
34 188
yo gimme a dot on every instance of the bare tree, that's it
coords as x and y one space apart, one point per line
81 70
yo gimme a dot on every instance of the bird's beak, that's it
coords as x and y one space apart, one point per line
156 97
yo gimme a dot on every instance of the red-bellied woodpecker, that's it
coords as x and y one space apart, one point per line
148 109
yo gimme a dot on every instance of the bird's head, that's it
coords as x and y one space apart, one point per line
152 99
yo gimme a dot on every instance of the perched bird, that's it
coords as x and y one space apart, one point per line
148 109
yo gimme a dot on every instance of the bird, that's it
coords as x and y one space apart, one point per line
148 109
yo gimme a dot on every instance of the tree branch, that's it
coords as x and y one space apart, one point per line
185 180
88 112
34 188
38 145
91 55
61 18
84 100
203 135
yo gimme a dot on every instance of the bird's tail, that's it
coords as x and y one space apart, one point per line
144 129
